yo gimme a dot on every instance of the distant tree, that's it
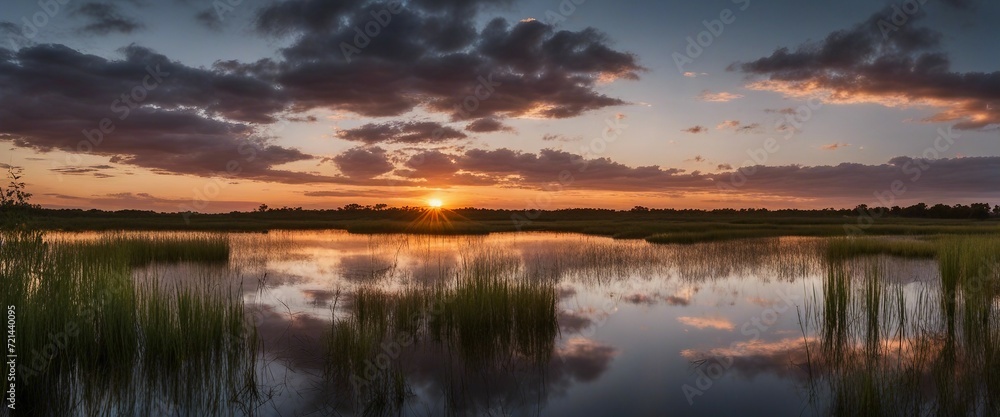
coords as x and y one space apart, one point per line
980 211
996 210
262 208
15 196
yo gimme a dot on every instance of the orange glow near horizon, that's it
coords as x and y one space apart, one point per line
435 203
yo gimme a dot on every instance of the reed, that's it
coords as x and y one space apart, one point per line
95 342
850 247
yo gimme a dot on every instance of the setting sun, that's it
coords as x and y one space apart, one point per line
435 203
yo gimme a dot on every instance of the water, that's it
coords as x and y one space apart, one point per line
726 328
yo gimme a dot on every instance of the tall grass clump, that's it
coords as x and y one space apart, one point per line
894 349
849 247
490 316
92 341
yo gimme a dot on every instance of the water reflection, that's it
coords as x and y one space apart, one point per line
561 324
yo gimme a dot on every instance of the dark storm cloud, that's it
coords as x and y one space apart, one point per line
488 124
55 98
401 132
426 56
106 18
878 61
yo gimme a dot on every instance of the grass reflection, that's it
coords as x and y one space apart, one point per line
889 350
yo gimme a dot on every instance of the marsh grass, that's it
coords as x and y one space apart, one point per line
93 341
689 233
849 247
491 315
895 350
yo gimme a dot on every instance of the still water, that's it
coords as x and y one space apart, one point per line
591 326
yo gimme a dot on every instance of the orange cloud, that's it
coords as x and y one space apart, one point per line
721 97
707 323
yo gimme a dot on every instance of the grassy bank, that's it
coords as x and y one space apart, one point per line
656 228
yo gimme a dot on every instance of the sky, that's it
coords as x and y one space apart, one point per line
215 106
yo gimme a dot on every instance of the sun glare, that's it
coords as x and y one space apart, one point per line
435 203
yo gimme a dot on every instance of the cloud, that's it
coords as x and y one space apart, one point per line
93 170
488 124
696 129
739 127
964 178
728 124
553 137
362 162
437 61
106 18
834 146
750 128
401 132
430 165
893 67
721 97
209 18
786 111
697 158
434 56
690 74
364 193
162 132
707 323
756 357
584 359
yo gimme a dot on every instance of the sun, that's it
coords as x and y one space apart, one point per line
435 203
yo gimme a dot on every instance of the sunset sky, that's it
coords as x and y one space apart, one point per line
225 105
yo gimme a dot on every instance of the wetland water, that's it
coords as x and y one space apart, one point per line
563 324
